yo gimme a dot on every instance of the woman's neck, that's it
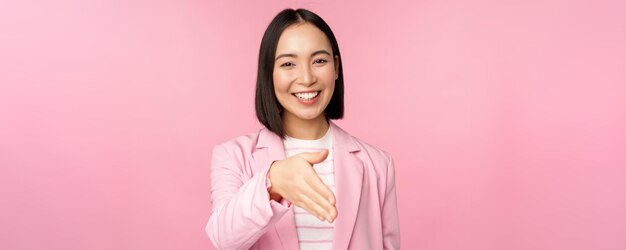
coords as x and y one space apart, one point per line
305 129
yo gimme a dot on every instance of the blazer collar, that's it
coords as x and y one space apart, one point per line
348 183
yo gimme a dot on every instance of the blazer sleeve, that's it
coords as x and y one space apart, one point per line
390 218
241 209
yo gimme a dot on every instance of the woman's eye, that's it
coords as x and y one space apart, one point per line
287 64
320 61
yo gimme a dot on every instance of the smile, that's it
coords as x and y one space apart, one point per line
307 96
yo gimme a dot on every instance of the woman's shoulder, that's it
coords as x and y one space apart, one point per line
374 157
244 142
374 152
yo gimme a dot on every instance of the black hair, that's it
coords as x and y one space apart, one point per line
268 108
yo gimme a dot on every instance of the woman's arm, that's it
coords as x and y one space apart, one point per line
241 210
390 220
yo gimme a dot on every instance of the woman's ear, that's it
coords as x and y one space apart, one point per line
336 66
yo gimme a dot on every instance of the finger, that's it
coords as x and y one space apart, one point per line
316 183
320 200
333 214
314 157
324 193
313 208
330 207
332 199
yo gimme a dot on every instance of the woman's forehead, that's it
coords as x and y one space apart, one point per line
302 38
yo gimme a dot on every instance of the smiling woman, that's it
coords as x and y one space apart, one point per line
298 46
304 76
301 182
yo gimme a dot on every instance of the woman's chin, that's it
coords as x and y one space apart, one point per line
303 114
308 116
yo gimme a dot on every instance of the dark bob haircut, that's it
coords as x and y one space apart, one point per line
268 109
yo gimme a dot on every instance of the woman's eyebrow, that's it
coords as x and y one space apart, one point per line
320 52
312 54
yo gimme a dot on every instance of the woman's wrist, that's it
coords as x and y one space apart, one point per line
270 188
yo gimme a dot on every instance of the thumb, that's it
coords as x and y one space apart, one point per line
314 157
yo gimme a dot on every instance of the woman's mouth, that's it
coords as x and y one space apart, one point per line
307 97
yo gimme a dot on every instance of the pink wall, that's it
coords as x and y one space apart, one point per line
506 119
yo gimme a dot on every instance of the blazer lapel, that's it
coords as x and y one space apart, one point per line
348 183
270 148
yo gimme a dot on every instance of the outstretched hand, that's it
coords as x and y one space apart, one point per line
295 179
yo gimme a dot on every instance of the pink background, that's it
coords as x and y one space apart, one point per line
506 119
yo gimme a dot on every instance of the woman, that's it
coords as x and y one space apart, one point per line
301 181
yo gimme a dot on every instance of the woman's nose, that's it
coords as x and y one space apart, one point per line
307 76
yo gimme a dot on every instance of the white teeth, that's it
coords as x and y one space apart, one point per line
307 96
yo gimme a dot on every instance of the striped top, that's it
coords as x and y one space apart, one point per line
313 233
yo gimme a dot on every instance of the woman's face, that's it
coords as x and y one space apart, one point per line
305 71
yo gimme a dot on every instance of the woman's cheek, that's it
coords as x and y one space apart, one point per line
328 72
280 80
